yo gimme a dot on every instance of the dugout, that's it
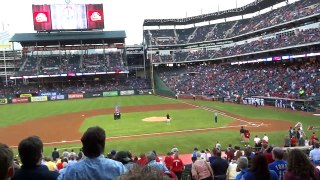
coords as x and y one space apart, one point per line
299 104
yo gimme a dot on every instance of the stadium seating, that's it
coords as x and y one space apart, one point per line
274 79
70 64
55 64
298 38
49 65
231 29
30 67
107 85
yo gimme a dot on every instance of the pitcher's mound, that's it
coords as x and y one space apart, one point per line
155 119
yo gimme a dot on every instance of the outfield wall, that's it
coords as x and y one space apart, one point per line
55 96
298 104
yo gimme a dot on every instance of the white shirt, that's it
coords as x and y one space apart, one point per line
306 142
232 170
208 156
256 140
218 146
265 138
203 156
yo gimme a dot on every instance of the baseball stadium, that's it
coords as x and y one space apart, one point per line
195 85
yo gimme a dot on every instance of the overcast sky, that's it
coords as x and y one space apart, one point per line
125 15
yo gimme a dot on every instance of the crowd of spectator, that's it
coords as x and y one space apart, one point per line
113 83
298 38
290 12
275 79
107 85
72 63
264 161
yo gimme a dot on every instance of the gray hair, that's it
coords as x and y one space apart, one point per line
151 156
198 154
242 163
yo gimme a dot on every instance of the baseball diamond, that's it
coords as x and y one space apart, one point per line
63 129
227 94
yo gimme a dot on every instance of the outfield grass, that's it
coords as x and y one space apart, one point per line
131 123
16 113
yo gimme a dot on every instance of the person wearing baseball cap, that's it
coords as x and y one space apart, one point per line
123 157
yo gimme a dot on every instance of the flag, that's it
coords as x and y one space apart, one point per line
118 107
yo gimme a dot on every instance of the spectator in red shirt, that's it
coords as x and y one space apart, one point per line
168 160
313 138
143 160
268 154
246 137
60 164
293 141
230 153
177 166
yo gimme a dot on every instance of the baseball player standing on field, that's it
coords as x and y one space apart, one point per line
215 117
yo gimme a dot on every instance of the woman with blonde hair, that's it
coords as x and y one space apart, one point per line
300 167
177 166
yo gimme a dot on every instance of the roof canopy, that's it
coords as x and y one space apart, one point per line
69 38
253 7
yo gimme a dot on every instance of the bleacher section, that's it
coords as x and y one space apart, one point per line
221 31
298 38
275 79
57 64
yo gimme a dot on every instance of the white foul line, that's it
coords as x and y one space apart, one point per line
209 109
147 134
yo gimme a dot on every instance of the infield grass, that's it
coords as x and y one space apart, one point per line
132 124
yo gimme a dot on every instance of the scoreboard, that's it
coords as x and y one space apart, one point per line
68 17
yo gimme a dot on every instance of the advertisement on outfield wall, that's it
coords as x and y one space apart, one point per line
57 97
49 94
144 91
75 96
91 95
110 93
3 101
20 100
25 95
39 98
127 93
